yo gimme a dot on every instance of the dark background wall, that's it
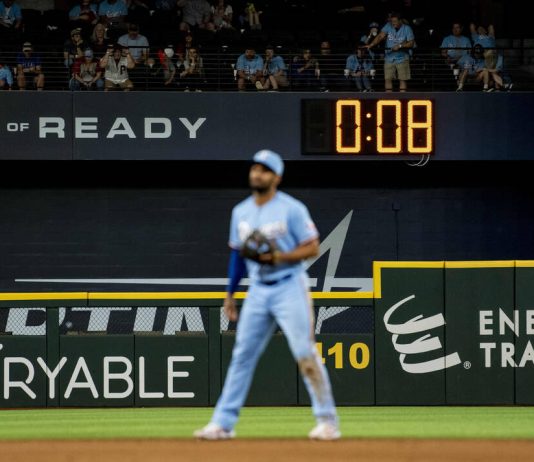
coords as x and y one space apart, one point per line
170 220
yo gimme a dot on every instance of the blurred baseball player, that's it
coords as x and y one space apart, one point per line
271 233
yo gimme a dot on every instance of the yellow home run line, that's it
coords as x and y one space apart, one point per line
158 295
377 285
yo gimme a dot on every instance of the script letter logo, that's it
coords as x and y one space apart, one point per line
422 344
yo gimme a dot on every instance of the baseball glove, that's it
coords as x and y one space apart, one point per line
256 245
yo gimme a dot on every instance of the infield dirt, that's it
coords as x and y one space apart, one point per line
273 450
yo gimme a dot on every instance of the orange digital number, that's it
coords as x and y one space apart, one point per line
397 147
426 125
357 146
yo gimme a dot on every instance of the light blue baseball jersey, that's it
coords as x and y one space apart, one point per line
5 74
486 41
354 64
250 66
395 37
276 64
283 219
471 64
10 15
76 10
112 10
452 41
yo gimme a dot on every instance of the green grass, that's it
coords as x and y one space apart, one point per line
285 422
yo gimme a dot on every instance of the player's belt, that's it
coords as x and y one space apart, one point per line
276 281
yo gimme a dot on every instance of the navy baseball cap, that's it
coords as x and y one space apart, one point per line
269 159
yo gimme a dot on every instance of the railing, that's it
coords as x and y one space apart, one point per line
429 72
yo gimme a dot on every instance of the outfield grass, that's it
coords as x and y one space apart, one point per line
285 422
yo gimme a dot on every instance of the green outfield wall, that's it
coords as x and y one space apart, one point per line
430 333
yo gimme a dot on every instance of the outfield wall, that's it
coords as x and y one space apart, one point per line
430 333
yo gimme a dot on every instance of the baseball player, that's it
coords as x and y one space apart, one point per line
271 233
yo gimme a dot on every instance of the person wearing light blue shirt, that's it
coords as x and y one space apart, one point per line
274 70
278 295
456 45
86 12
6 77
249 69
10 14
113 11
472 65
359 68
399 40
486 39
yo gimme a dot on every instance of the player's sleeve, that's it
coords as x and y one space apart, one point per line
234 241
301 226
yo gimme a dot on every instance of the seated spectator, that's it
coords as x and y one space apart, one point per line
330 68
274 70
196 13
472 65
99 42
249 69
251 17
73 48
359 69
399 41
165 66
113 14
85 14
86 74
6 77
116 63
503 73
222 15
456 45
136 43
486 39
305 71
10 21
193 77
29 67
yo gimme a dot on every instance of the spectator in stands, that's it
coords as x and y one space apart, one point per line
136 43
195 13
305 71
486 39
166 5
10 21
188 43
456 45
113 14
472 65
399 41
193 77
165 66
367 38
222 15
503 73
73 48
99 42
84 14
251 17
6 77
29 67
331 68
116 63
86 74
359 69
249 69
274 70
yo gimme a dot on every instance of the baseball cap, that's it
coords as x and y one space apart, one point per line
27 46
269 159
374 24
88 53
75 31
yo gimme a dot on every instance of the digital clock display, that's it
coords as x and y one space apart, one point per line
368 126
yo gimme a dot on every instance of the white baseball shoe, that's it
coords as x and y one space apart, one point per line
213 431
325 432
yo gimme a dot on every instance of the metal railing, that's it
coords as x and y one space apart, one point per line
429 72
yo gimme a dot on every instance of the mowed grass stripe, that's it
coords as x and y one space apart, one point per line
279 422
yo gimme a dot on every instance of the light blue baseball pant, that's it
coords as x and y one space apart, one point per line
287 304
